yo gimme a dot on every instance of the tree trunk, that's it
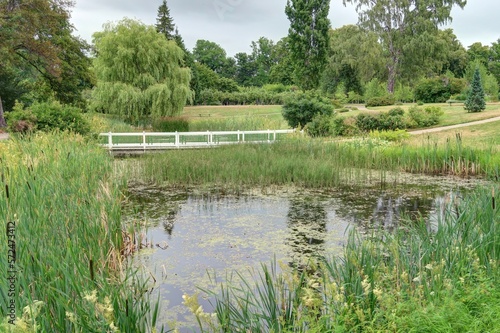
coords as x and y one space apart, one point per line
3 124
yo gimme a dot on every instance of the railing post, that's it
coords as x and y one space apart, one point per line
144 140
110 141
176 140
268 136
274 137
243 137
209 138
238 136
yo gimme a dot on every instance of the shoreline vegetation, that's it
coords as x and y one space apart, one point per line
71 270
76 255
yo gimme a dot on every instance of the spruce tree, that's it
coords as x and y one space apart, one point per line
164 22
475 98
308 39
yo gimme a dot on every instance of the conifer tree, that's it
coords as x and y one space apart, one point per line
164 22
308 39
475 98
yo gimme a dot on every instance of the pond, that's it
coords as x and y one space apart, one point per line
191 233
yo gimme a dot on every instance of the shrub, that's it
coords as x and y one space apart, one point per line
344 127
300 109
171 124
380 101
428 116
367 122
320 126
47 117
394 136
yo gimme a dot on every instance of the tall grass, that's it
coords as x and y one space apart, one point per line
311 163
71 274
414 280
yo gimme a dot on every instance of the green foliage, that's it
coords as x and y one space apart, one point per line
393 136
380 101
69 240
438 89
408 31
299 109
139 73
403 93
245 96
374 88
475 101
320 126
47 117
308 39
211 55
344 126
424 117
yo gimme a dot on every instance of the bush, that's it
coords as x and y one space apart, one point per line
394 136
171 124
47 117
320 126
380 101
428 116
367 122
344 127
301 108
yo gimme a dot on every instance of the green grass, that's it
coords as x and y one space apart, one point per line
71 273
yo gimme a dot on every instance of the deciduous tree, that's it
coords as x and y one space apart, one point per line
139 72
308 39
36 40
405 27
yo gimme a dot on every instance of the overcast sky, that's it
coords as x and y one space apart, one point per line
234 24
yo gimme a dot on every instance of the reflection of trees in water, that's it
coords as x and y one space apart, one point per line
306 222
156 205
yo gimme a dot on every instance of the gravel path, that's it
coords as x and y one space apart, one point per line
444 128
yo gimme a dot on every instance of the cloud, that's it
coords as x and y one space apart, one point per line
234 24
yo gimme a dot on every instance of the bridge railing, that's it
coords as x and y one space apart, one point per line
166 140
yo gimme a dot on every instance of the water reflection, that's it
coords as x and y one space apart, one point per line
306 223
222 232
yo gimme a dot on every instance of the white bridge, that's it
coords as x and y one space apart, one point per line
178 140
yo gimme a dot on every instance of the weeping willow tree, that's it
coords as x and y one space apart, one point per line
139 72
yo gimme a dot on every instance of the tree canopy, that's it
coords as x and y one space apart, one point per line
36 45
406 29
139 72
308 39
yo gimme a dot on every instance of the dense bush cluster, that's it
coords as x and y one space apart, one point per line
439 89
47 116
380 101
394 120
301 108
270 94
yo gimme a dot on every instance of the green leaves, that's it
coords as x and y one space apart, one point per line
308 39
139 72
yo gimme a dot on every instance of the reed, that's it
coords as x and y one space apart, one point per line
311 163
70 273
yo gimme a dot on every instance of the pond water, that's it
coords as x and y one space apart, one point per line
191 233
